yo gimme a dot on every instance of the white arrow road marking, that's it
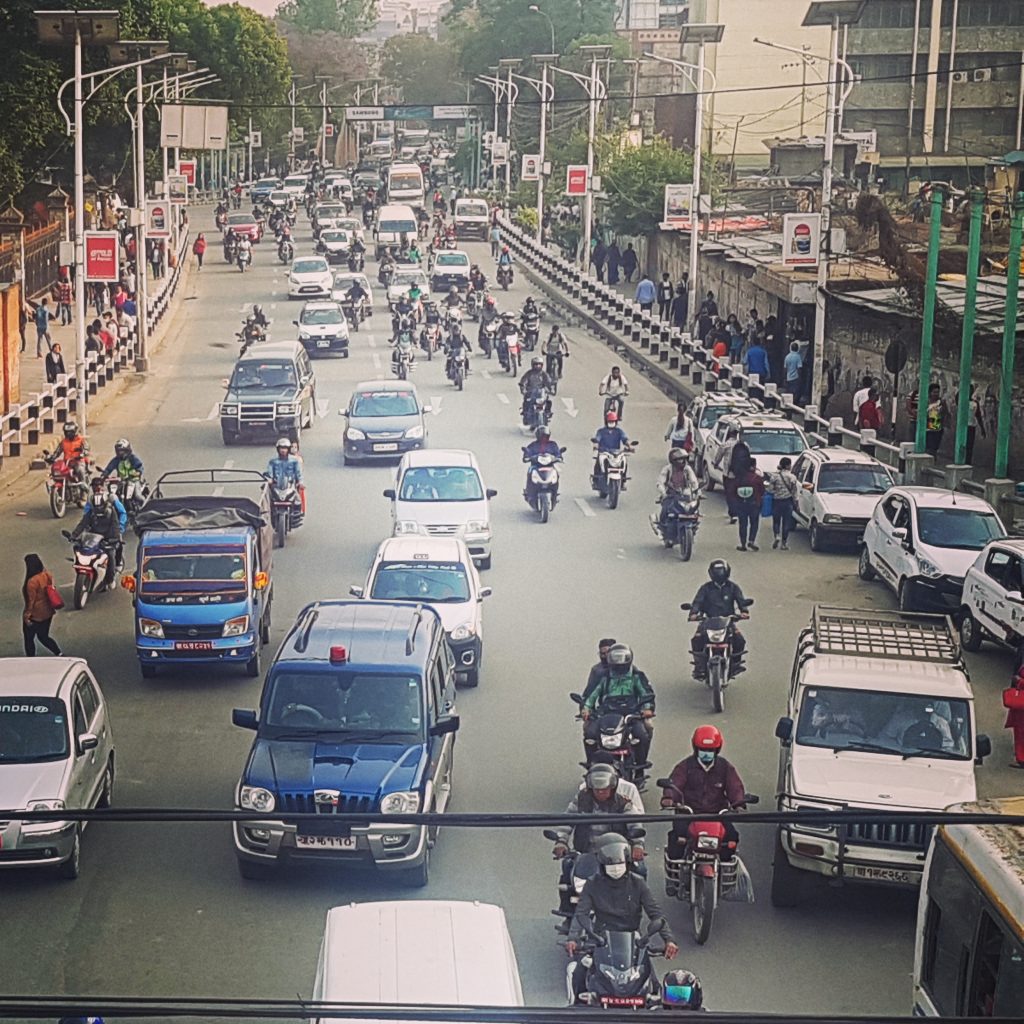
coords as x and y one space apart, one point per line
435 403
620 553
570 407
584 508
486 374
322 405
376 360
503 398
372 341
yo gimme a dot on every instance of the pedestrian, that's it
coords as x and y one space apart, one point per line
755 360
975 423
1013 701
495 237
870 417
42 316
828 385
92 340
773 342
679 431
792 365
736 341
39 609
613 261
629 263
749 488
681 307
107 331
784 487
24 314
54 363
860 396
733 460
665 293
101 296
65 296
598 255
154 259
646 293
750 327
937 415
120 297
708 307
199 248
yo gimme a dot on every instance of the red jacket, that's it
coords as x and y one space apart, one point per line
707 792
199 247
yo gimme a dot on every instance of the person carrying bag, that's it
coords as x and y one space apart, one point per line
42 602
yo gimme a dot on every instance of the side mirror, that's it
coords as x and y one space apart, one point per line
563 450
550 833
343 412
356 591
445 725
686 606
296 322
389 492
1014 595
751 798
244 718
576 698
982 748
486 592
784 730
90 741
899 534
491 493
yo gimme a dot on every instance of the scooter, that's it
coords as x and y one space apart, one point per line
679 521
94 563
403 361
702 878
458 368
610 477
489 338
131 491
504 275
244 259
286 509
356 262
64 486
723 664
531 331
473 305
285 251
544 480
430 339
353 312
230 250
535 408
619 972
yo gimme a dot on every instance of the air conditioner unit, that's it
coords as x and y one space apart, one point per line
960 76
982 74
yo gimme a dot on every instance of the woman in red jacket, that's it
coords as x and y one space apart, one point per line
1015 716
38 613
199 248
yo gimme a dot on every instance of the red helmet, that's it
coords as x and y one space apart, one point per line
707 737
611 416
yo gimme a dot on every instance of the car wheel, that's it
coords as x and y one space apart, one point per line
816 536
709 484
255 663
148 669
970 631
229 439
904 597
106 797
254 871
71 867
864 568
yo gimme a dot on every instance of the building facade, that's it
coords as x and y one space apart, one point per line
650 14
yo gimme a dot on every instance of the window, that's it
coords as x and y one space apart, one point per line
957 528
81 723
90 699
996 566
436 689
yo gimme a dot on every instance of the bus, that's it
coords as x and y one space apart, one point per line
969 954
405 185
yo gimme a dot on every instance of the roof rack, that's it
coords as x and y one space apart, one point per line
906 636
410 637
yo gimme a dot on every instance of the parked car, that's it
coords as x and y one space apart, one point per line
769 437
922 540
309 276
993 598
323 327
384 420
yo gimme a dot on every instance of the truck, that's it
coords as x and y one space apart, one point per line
203 586
880 718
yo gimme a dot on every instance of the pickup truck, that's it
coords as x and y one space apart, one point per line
202 588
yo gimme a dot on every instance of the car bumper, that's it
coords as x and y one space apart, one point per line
939 595
849 526
442 282
259 428
336 257
233 649
51 845
471 231
368 450
841 862
308 291
467 653
274 842
315 346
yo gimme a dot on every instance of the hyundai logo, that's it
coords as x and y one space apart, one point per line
193 632
326 797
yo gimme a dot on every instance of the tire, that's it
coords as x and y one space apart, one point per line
865 570
71 868
970 632
254 664
228 439
265 628
82 591
280 529
716 679
147 669
703 909
403 371
458 380
106 797
255 872
58 502
903 597
417 878
614 488
786 879
816 536
485 563
513 364
685 544
545 506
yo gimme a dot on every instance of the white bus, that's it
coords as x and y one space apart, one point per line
969 956
405 185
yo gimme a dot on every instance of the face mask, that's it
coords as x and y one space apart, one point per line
615 870
706 758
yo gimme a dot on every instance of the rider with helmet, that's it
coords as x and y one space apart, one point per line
453 298
74 449
708 784
534 379
682 990
505 259
259 317
543 445
477 280
610 438
718 598
488 314
624 684
285 469
676 480
105 515
128 467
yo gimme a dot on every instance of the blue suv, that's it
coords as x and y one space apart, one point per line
357 715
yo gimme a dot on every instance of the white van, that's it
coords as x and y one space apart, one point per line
472 218
393 222
405 185
420 952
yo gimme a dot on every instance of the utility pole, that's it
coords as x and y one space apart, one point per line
249 140
963 406
1004 411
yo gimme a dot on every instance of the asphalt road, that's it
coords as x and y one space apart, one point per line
161 910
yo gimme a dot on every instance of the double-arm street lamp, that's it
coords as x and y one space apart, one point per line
546 91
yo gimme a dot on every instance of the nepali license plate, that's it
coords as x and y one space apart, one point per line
391 447
193 645
623 1001
326 842
894 875
323 342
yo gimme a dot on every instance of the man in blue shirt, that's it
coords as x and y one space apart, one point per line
610 438
646 293
285 469
792 364
756 359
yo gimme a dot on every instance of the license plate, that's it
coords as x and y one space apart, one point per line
326 842
323 342
193 645
884 874
623 1001
385 447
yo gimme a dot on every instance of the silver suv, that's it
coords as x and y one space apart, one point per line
56 753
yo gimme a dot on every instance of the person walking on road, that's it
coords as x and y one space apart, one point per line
646 293
495 237
783 486
792 364
665 292
749 489
42 316
598 255
199 248
54 363
39 612
629 263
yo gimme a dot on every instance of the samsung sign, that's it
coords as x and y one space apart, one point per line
364 113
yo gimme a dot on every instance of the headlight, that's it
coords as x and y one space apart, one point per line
237 627
817 827
304 336
414 432
405 526
256 798
43 827
229 410
355 434
716 636
45 805
929 569
286 408
831 518
463 632
293 281
400 803
612 742
151 628
476 526
707 842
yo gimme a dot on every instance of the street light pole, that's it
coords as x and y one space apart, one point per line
545 90
547 17
509 63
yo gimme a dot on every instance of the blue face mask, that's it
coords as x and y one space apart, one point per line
706 757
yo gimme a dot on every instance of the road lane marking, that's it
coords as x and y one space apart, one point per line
214 412
620 553
322 407
372 341
584 508
570 407
435 403
376 360
503 398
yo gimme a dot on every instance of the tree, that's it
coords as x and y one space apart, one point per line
422 68
346 17
325 53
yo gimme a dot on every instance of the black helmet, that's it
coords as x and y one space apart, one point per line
71 430
620 658
541 432
602 776
719 571
123 447
682 990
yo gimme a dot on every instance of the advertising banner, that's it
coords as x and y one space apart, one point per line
177 189
531 167
364 113
499 153
678 204
576 180
801 239
101 256
187 170
158 219
452 112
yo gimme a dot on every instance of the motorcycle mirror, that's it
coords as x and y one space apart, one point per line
576 698
550 833
686 606
751 798
66 534
747 602
563 450
663 783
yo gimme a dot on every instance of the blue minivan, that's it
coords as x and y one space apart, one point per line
357 715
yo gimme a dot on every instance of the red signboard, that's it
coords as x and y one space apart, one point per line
329 130
576 180
188 168
101 262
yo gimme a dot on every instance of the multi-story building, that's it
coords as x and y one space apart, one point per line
648 14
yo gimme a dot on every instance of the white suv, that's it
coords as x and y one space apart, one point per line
56 753
922 540
441 493
839 489
993 605
706 410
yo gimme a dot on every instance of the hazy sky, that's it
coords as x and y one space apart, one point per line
263 6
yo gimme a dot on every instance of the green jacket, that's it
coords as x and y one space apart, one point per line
634 684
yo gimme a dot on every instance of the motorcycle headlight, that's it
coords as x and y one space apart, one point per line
928 568
286 408
406 526
832 518
151 628
237 627
612 742
716 636
400 803
228 410
355 434
463 632
256 798
414 432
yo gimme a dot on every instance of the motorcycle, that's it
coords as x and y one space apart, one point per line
473 305
356 262
430 339
63 485
95 565
535 408
554 365
609 480
453 318
230 250
544 478
504 275
509 351
489 338
244 259
619 972
615 718
403 362
353 312
702 878
458 367
679 521
531 331
131 491
723 663
285 251
256 337
286 509
221 219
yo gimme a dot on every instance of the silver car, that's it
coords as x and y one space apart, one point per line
56 753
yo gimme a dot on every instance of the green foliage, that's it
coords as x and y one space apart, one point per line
526 218
421 67
346 17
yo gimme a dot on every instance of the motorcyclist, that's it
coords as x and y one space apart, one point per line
610 438
286 469
600 668
128 467
508 327
74 449
676 479
453 299
259 316
488 314
476 278
404 311
104 514
555 349
719 597
245 248
624 684
413 253
358 296
230 243
457 341
505 260
708 784
682 990
357 250
536 379
543 445
387 267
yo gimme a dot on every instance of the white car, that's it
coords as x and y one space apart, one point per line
323 327
769 437
295 185
706 410
353 225
993 599
310 277
404 277
922 540
334 243
279 198
437 571
441 493
839 489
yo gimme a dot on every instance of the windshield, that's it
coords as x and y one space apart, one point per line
471 210
885 723
441 483
33 729
321 316
406 278
433 582
325 210
452 259
335 236
347 280
308 267
240 218
296 182
398 227
373 706
189 575
384 403
267 183
280 197
349 224
405 182
853 479
711 414
263 373
957 528
774 442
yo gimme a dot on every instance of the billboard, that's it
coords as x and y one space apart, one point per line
531 167
576 180
177 189
801 239
158 218
187 170
195 126
364 113
678 205
453 111
499 153
101 256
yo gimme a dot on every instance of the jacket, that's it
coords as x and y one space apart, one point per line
284 471
706 792
646 292
610 439
110 521
124 467
617 904
625 800
633 684
76 448
536 448
667 486
782 485
718 601
534 379
37 604
665 291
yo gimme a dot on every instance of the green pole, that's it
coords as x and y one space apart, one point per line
1009 337
963 409
928 318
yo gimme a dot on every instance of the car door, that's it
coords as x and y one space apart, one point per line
804 471
886 549
83 770
307 398
990 589
441 704
96 720
715 442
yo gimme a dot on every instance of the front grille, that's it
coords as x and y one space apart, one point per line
304 803
905 835
256 413
391 435
194 632
442 529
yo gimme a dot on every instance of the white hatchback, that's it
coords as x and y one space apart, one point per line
310 277
993 601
